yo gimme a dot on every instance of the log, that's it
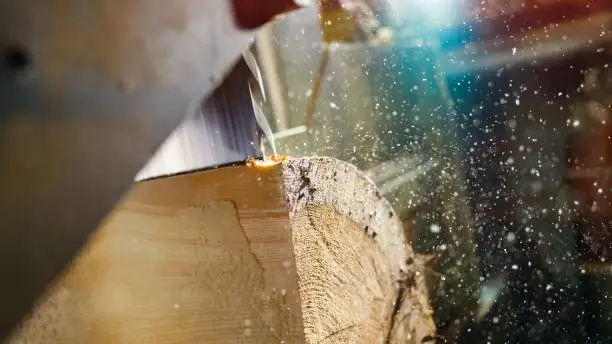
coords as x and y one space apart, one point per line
305 251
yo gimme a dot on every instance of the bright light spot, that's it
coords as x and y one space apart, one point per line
434 228
436 12
511 237
576 123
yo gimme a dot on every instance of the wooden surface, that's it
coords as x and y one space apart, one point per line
303 252
359 280
196 258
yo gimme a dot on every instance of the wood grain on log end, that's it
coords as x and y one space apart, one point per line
359 281
306 252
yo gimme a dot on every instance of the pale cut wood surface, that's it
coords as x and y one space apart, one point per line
359 280
195 258
303 252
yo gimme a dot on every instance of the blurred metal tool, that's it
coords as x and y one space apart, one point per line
221 129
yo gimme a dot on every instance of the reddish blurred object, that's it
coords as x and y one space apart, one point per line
251 14
499 19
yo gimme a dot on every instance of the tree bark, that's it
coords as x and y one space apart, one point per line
305 251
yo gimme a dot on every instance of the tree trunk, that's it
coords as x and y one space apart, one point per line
302 252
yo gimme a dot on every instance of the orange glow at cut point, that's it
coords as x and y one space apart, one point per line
267 163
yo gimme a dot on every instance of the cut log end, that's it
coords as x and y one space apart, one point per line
307 252
359 280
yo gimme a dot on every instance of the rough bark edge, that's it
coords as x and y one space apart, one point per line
323 181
